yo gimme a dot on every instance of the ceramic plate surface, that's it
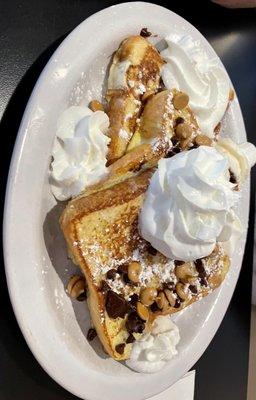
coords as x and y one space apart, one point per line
36 261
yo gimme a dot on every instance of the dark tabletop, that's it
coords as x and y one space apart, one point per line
30 30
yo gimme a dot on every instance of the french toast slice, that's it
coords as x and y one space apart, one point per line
101 230
134 73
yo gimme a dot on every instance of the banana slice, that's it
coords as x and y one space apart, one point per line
136 67
123 113
156 122
151 140
135 71
164 118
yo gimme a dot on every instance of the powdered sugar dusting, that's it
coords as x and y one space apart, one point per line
128 116
164 271
140 89
160 144
169 104
123 134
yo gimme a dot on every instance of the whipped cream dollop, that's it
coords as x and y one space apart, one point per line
151 353
241 157
79 151
234 230
188 204
117 75
189 69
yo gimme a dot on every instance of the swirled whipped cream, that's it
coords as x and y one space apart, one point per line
188 204
79 151
154 350
189 69
241 157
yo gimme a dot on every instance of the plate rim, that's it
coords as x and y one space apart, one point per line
13 172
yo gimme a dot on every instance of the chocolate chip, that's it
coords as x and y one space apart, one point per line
178 262
120 348
91 334
193 289
130 339
232 178
161 85
172 152
200 268
176 150
203 282
111 274
154 307
169 285
175 141
116 305
104 288
152 250
123 269
134 323
177 303
179 120
202 274
82 296
145 33
134 299
127 280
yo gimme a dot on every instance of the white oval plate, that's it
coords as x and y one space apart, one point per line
36 261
